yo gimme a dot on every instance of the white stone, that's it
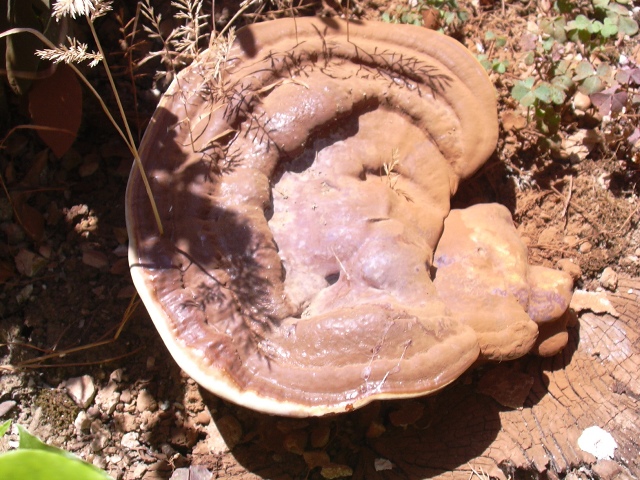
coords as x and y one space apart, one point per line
597 442
130 440
382 464
81 390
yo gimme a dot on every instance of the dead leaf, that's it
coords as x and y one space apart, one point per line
578 145
32 221
431 19
511 120
55 102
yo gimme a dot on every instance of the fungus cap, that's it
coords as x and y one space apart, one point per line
303 179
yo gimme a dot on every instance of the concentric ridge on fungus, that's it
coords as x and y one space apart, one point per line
303 183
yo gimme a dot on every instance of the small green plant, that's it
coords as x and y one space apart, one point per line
493 42
566 53
35 460
449 15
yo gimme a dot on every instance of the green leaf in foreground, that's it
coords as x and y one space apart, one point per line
35 460
4 427
46 465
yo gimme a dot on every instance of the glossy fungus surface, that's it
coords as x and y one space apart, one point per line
303 179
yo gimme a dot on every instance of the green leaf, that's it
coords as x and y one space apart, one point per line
522 88
35 460
563 82
529 59
615 9
500 66
609 29
628 26
46 465
581 22
583 70
591 85
548 44
543 92
4 427
600 4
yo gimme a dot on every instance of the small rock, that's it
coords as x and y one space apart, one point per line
82 422
117 375
24 294
140 470
316 458
194 472
581 101
29 263
6 407
130 440
202 418
101 436
382 464
609 279
125 397
81 390
547 236
585 247
571 240
571 268
95 259
336 471
108 397
146 402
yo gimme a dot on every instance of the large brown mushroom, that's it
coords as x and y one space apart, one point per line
303 179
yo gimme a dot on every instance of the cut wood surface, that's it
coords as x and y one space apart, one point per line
594 382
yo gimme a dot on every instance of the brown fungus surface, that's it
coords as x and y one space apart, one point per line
303 180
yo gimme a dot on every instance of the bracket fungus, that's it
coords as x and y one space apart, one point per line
303 177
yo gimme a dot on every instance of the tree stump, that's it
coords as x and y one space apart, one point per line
462 433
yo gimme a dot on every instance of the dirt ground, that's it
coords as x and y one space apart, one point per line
124 405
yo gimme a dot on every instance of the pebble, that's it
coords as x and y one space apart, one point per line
101 436
146 402
6 407
194 472
82 390
82 422
571 268
571 240
130 440
29 263
581 101
108 397
548 235
586 247
125 397
95 259
609 279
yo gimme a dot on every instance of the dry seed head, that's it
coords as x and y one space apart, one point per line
78 8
